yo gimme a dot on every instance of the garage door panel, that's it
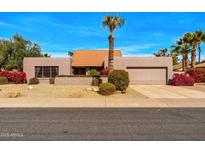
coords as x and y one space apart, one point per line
147 76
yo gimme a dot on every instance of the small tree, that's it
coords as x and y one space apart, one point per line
13 51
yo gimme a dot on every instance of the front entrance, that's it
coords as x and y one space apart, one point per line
79 71
83 70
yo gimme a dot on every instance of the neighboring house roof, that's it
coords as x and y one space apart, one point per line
177 66
82 58
202 64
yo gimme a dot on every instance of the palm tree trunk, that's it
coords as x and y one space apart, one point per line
199 53
193 57
111 53
186 61
183 62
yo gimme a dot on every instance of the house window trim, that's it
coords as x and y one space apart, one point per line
42 68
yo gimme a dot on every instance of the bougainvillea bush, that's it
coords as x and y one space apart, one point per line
14 76
182 79
197 73
104 72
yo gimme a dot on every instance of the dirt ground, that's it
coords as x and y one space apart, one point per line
61 91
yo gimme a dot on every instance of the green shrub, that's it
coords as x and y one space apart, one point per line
33 81
106 88
120 79
51 80
3 80
93 72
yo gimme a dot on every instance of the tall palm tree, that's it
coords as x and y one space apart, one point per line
112 22
192 40
175 59
182 48
200 35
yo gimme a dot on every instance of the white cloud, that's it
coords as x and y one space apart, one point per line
181 21
184 21
7 24
57 54
157 34
16 26
53 47
79 29
136 50
132 50
136 47
138 55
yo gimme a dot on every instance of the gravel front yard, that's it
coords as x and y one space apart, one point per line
61 91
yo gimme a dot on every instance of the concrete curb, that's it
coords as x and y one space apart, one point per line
99 103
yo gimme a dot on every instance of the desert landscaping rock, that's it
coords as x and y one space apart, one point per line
95 89
10 95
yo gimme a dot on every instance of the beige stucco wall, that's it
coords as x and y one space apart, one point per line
147 76
76 80
29 64
124 62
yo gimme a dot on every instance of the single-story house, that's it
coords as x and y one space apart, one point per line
142 70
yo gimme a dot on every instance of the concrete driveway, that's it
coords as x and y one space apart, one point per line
164 91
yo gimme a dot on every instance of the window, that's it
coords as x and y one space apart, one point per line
46 71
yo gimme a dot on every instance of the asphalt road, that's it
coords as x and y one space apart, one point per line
102 124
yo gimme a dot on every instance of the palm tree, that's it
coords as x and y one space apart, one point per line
161 53
175 59
112 22
192 40
166 53
182 48
70 53
200 35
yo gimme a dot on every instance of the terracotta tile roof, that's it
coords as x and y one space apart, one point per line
82 58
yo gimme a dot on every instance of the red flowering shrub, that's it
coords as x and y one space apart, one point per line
15 76
197 73
182 79
104 72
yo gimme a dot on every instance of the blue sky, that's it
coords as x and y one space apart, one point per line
142 34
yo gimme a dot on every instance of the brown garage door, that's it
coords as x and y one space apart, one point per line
147 75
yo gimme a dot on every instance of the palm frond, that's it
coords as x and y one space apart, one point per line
113 22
